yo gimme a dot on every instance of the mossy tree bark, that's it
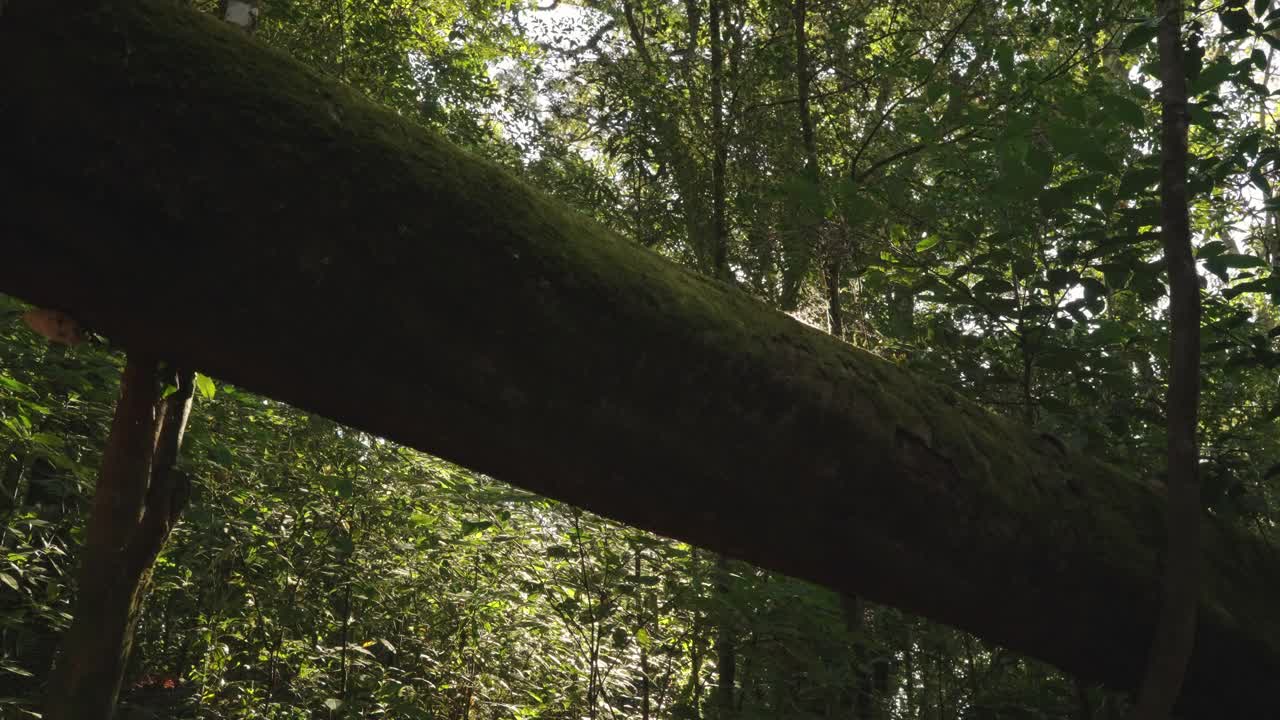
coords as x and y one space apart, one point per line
335 250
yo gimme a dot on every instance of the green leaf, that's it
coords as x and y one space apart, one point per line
1258 285
1061 359
1199 116
1213 248
471 527
346 488
7 579
992 286
927 243
1004 59
1146 214
1238 261
1060 278
1095 159
49 440
1125 110
1084 185
1139 36
333 704
1138 180
1093 288
221 455
1260 181
1069 139
856 203
344 544
206 387
1109 333
12 384
1052 200
804 196
1212 76
1149 288
1073 107
1235 19
1040 162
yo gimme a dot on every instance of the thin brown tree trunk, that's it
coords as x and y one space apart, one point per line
688 175
909 675
1176 628
642 616
831 278
726 645
137 501
346 643
719 220
1028 382
863 689
832 266
799 16
695 653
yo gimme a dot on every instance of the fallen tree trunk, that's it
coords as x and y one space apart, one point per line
347 262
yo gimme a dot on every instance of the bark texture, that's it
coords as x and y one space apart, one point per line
335 254
1176 629
139 496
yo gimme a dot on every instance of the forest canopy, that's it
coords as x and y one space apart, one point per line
965 190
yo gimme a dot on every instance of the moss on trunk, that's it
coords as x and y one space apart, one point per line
346 261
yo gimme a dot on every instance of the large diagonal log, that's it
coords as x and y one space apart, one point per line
341 259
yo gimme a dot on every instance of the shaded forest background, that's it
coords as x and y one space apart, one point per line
966 188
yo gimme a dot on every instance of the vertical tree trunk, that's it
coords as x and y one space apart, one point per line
346 643
1028 380
1271 218
863 689
831 278
726 645
1175 631
909 675
641 618
137 501
695 652
831 264
340 8
139 498
799 16
719 221
688 175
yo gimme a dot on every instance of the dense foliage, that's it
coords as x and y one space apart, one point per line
972 194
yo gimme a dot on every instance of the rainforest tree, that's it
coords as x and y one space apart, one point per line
965 189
